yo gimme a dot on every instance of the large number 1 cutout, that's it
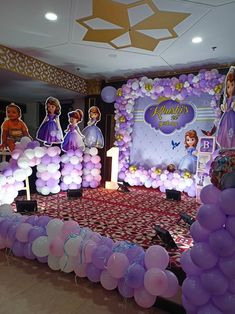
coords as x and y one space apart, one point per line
114 153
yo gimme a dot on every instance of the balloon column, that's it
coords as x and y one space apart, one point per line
210 263
71 169
67 247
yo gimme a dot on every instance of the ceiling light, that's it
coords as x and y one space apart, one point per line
196 40
51 16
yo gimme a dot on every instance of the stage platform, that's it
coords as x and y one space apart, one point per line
130 216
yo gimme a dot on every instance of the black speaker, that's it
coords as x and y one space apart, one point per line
186 218
173 195
165 236
26 206
122 187
74 193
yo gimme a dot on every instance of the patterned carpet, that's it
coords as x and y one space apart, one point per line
125 216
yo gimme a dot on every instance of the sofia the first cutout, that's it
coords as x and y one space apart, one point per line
93 135
50 131
226 129
13 128
73 139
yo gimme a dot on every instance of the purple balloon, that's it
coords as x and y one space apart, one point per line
135 253
134 276
12 232
222 242
5 225
36 232
43 260
93 273
100 256
214 281
227 266
230 225
46 159
209 309
43 221
124 290
32 220
203 256
194 292
211 217
225 302
28 253
226 201
187 264
210 194
107 241
188 305
108 94
198 233
18 249
231 286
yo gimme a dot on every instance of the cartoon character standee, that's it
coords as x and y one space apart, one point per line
13 128
50 131
189 161
226 130
73 138
93 135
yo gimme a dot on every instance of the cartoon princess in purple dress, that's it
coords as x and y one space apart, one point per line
73 139
93 135
226 130
50 131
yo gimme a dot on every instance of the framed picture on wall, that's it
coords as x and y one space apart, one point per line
206 144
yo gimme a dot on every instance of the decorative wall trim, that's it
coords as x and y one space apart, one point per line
93 87
18 62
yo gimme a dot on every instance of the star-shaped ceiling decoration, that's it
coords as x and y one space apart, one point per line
118 15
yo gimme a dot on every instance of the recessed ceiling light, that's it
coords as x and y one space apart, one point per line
51 16
196 40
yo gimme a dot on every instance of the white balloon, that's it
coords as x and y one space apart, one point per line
45 190
74 160
39 152
53 228
52 168
55 189
66 264
29 153
20 175
53 262
41 168
6 210
3 180
93 151
40 246
72 246
23 162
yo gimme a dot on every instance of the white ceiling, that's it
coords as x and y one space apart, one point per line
61 43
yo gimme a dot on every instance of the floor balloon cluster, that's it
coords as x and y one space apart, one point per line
67 247
55 171
210 263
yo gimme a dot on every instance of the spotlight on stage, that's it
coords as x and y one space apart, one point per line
173 195
122 187
74 193
25 207
165 236
186 218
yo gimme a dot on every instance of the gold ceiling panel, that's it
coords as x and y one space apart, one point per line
117 14
18 62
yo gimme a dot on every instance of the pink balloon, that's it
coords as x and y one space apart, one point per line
107 281
22 232
79 268
155 281
69 227
56 247
156 256
117 265
143 298
172 285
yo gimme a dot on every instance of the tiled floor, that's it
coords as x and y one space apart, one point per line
28 287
